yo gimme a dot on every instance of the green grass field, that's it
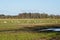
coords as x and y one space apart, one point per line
26 36
6 24
29 21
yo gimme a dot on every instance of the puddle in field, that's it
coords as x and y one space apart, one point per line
51 29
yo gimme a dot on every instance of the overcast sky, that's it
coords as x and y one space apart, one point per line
13 7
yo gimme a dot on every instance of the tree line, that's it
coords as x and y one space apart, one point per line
29 16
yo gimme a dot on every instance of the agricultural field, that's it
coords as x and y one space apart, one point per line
6 24
28 36
29 21
13 23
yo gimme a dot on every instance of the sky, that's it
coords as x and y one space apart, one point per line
14 7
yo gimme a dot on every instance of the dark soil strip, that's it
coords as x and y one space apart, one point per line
29 29
35 28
